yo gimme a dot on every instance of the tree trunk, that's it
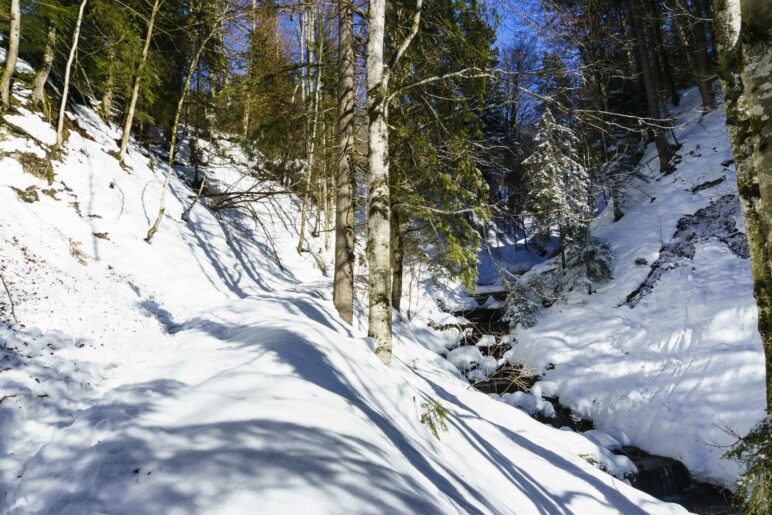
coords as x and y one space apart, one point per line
745 61
173 137
561 236
41 77
107 95
311 143
343 290
378 206
661 53
397 260
11 55
67 69
248 93
137 82
652 95
702 60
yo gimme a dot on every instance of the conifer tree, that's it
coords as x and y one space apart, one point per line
559 184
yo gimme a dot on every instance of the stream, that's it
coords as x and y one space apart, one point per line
662 477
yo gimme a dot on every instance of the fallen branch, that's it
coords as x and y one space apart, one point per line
10 299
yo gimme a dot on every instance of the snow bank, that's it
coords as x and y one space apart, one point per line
684 368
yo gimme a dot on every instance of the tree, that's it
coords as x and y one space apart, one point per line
11 55
343 289
137 81
692 36
664 149
559 184
745 63
175 124
378 196
439 197
378 203
67 70
41 75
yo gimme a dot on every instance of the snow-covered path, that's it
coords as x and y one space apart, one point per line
267 403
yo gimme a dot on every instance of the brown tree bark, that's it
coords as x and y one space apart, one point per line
41 76
704 69
660 52
137 82
343 289
397 260
652 95
11 55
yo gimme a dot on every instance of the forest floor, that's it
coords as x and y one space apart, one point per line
208 372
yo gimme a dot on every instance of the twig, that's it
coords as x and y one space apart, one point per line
10 299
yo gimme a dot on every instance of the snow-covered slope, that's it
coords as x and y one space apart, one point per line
209 372
668 351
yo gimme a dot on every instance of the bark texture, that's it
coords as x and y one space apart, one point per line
11 55
173 136
138 82
41 76
397 261
652 94
343 289
701 58
67 70
745 67
378 205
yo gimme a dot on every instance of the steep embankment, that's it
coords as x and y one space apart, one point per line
208 372
668 351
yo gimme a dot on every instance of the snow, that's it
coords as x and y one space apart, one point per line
33 125
209 372
21 65
468 358
684 369
529 403
486 340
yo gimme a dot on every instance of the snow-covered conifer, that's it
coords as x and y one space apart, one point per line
559 184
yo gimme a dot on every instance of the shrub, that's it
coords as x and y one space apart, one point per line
521 311
754 451
434 416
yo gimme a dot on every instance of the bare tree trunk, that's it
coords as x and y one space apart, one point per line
173 137
248 93
683 29
652 95
11 55
702 60
41 77
343 289
745 61
378 205
661 52
67 69
137 82
311 143
107 95
397 261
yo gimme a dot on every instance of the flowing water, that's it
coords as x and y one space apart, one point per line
662 477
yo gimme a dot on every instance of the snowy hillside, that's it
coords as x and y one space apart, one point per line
209 372
669 350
